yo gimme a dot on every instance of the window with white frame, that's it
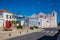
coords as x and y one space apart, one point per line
6 16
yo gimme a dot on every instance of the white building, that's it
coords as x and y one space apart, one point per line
5 15
43 20
22 22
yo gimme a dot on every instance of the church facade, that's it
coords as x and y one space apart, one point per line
42 20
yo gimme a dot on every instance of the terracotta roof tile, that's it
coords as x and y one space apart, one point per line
3 11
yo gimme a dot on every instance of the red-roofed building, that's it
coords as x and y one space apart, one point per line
6 15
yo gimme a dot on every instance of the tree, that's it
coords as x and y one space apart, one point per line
59 23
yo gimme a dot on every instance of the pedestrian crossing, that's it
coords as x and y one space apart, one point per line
51 33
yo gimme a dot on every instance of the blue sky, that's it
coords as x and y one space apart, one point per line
28 7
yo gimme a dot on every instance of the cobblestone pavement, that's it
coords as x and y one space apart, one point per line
30 35
33 36
5 34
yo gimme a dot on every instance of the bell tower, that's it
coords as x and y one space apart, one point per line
54 15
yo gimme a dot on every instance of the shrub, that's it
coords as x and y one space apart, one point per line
36 27
10 23
19 27
31 28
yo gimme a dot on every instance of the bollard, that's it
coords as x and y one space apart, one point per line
9 34
27 30
20 32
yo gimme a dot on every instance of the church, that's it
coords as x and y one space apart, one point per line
42 20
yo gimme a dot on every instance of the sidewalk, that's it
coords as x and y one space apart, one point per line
5 34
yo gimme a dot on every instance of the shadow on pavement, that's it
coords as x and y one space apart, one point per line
50 37
46 38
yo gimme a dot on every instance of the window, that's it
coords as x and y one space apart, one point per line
45 17
39 23
53 14
10 16
1 13
47 21
6 16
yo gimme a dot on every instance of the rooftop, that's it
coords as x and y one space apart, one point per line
3 11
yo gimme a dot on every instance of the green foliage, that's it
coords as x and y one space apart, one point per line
36 27
32 28
19 27
10 26
10 22
59 23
